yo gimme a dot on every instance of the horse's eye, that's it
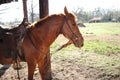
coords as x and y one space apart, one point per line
1 40
74 24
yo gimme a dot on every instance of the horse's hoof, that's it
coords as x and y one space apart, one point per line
17 66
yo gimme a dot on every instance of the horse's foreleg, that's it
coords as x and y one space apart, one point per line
45 68
31 69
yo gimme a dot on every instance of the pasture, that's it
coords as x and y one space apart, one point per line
99 59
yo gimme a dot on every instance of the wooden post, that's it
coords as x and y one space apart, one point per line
44 11
25 9
43 8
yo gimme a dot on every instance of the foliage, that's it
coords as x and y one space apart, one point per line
107 15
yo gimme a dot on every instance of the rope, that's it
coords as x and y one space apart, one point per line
17 70
61 47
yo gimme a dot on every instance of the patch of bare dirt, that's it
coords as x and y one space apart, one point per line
8 73
112 37
62 69
103 37
70 69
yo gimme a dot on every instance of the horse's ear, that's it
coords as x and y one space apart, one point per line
65 11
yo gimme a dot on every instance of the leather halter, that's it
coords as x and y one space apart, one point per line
74 36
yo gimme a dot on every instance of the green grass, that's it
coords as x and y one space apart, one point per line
101 47
101 28
97 29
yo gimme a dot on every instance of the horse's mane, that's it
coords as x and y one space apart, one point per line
45 19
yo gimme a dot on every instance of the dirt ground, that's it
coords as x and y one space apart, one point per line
66 68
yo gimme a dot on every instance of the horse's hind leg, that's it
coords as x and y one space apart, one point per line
45 68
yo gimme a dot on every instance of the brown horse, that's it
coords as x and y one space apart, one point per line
41 34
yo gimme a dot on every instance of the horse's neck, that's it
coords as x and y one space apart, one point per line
53 32
49 33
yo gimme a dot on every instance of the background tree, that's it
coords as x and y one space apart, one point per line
107 15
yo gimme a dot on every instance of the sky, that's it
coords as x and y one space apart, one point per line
13 11
87 5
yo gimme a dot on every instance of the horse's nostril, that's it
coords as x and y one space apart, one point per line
82 45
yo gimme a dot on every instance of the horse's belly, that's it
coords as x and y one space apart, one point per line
4 60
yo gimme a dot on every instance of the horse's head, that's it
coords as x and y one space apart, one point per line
70 29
